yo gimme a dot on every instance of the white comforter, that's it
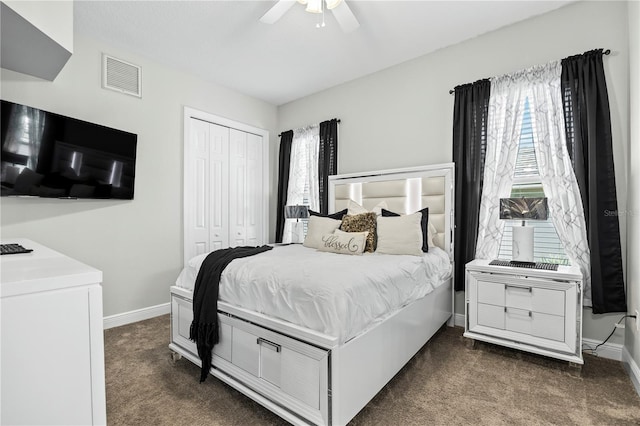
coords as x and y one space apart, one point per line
335 294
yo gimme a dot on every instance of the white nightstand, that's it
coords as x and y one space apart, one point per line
534 310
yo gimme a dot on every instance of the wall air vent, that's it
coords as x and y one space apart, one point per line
121 76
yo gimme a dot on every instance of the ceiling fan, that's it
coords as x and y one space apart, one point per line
341 11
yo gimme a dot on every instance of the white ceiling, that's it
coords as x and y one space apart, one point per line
224 42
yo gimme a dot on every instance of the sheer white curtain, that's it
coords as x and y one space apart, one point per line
554 165
506 108
303 174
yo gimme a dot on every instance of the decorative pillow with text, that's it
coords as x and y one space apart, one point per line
344 242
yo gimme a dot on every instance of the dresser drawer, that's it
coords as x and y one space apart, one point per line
535 299
181 318
534 324
490 292
291 366
285 370
522 321
491 316
521 296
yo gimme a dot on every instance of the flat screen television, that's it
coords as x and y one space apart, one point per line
50 155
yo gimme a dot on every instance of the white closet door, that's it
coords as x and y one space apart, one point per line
237 187
219 190
197 189
245 189
224 184
254 229
207 188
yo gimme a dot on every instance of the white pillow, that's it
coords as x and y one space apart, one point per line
344 242
400 234
317 227
354 208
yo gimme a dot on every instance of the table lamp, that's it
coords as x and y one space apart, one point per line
297 212
523 209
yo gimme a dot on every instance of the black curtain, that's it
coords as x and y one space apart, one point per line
327 160
588 130
283 180
471 107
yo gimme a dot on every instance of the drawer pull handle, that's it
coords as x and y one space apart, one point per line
530 313
529 289
268 344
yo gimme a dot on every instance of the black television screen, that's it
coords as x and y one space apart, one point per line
50 155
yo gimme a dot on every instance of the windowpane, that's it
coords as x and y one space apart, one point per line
526 183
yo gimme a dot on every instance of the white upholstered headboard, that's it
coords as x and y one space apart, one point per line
405 191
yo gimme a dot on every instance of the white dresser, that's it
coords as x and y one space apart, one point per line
52 353
535 310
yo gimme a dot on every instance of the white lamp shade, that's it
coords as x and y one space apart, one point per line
333 3
314 6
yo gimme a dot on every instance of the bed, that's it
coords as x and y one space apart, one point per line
319 351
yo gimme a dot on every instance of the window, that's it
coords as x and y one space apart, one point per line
306 196
527 183
303 179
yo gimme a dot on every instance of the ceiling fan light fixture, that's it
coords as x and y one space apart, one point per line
314 6
332 3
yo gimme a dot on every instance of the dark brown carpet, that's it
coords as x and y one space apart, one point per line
446 383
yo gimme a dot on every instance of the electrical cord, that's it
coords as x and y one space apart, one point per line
611 334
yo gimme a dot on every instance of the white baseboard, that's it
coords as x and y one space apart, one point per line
632 368
608 350
135 316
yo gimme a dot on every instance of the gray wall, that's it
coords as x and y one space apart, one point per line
397 117
402 116
632 336
137 244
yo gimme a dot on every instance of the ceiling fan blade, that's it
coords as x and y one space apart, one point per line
277 11
345 17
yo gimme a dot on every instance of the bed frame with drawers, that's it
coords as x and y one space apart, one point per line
307 377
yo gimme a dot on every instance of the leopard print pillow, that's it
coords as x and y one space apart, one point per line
365 222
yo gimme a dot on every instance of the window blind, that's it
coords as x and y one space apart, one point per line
527 183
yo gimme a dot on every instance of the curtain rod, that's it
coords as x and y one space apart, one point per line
337 119
604 52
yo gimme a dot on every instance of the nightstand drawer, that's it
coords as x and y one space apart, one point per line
491 316
521 296
491 293
535 299
521 321
535 324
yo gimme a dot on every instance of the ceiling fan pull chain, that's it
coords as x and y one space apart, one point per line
321 25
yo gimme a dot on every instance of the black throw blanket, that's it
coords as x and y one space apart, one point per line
204 328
